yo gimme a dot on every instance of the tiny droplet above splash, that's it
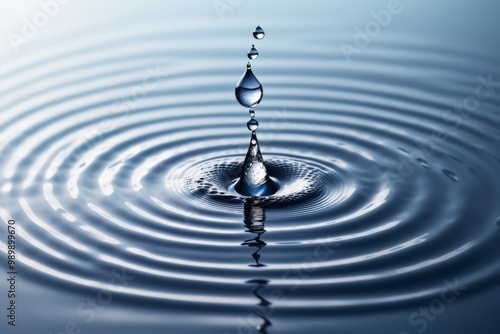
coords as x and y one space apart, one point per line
251 112
248 90
252 124
253 53
259 33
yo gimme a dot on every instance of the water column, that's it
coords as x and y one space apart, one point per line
254 179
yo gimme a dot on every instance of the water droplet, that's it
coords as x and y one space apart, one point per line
252 124
259 33
252 113
253 142
451 175
248 90
253 53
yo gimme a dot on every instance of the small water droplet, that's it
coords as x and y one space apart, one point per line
259 33
248 90
252 113
451 175
253 53
254 142
252 124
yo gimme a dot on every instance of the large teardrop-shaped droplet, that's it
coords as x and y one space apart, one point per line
259 33
253 53
248 90
254 180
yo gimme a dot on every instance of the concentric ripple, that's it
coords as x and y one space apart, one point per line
299 183
127 160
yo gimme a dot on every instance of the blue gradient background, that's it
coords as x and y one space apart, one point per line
468 28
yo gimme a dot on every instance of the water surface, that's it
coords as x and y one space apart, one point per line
119 147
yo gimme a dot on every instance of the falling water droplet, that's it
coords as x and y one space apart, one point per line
259 33
253 53
248 90
254 180
252 124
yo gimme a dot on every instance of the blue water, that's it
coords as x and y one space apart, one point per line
121 141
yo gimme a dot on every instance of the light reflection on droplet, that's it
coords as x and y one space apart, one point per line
259 33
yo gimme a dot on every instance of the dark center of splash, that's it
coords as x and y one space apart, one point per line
255 180
215 181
